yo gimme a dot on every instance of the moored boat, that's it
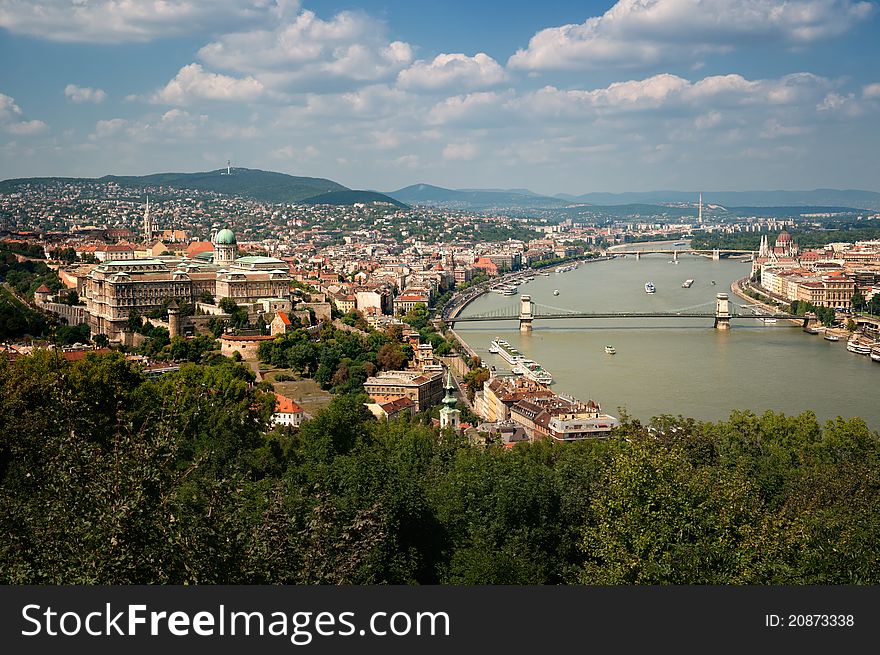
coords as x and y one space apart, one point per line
510 354
857 347
830 336
875 355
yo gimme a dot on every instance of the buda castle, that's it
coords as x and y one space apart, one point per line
115 289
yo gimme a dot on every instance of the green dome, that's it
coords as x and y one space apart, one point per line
224 237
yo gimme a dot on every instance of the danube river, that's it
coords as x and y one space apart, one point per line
676 366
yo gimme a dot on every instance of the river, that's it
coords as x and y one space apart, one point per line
676 366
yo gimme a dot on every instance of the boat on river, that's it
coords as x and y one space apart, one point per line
610 350
649 287
830 336
687 284
510 354
858 347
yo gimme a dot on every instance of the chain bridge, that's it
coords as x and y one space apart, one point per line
530 312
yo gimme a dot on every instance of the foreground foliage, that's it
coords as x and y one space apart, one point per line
108 478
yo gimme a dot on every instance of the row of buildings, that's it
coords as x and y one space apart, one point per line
826 277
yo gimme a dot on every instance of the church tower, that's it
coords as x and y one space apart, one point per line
225 247
449 416
151 228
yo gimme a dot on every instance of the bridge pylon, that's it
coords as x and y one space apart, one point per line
722 312
638 255
716 255
675 255
525 313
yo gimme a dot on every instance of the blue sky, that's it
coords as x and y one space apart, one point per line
554 96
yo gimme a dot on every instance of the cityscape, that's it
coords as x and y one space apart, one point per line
495 354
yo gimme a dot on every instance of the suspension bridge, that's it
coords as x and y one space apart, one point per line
530 312
715 253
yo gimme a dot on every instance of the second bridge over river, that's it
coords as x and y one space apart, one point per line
530 312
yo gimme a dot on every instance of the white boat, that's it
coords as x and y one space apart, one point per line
857 347
610 350
510 354
768 320
830 336
493 346
534 371
649 287
875 355
555 292
687 284
544 273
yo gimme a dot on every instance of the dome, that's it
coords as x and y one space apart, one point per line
224 237
784 237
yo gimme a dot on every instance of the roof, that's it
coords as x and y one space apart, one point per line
225 237
254 337
397 405
283 317
76 355
198 247
284 405
42 289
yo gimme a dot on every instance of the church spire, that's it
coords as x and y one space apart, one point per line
449 399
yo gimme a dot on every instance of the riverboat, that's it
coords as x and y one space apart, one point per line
534 371
857 347
610 350
649 287
875 355
830 336
687 284
510 354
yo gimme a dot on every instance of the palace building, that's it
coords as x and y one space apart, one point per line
115 289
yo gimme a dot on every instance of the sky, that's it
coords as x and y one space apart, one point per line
554 96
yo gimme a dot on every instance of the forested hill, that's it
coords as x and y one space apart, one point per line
109 478
266 186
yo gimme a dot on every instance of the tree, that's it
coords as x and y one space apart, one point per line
417 317
851 325
390 357
858 300
101 340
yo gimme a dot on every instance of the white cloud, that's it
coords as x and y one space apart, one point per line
649 32
11 120
458 108
460 151
350 45
192 83
8 108
670 91
447 70
27 128
118 21
871 90
84 94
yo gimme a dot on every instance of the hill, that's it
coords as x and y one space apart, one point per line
427 194
812 198
266 186
350 197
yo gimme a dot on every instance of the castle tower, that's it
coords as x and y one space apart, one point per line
225 247
173 319
449 416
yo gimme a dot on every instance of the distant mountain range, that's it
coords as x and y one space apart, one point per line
260 185
268 186
814 198
427 194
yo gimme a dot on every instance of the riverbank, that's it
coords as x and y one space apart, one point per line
455 305
738 287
